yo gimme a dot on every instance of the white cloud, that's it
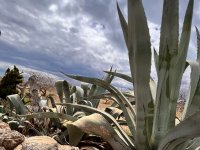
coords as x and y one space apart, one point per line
69 35
25 12
53 8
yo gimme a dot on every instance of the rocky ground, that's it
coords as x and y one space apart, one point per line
13 140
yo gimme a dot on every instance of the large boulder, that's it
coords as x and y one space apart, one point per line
9 139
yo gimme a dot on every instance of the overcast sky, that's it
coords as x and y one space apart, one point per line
74 36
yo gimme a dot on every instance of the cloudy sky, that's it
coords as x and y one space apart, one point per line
74 36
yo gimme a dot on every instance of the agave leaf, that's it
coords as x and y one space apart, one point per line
92 90
75 134
171 67
180 65
139 47
124 24
193 144
167 52
156 60
79 114
152 83
15 101
98 125
189 145
153 88
107 116
120 75
192 103
59 89
85 88
122 100
66 91
85 102
79 93
49 115
198 45
186 130
169 31
99 90
53 104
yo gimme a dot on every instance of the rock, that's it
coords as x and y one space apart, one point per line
4 127
88 148
67 147
42 143
11 139
2 148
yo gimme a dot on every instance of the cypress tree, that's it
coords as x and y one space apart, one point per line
9 82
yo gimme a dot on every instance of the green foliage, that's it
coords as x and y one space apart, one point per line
9 82
152 120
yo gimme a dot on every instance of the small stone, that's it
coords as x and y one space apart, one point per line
67 147
39 143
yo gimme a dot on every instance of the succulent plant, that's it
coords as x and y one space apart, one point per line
150 114
152 120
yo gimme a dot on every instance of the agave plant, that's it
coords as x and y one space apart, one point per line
152 121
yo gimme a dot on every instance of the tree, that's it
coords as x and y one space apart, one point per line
10 81
40 81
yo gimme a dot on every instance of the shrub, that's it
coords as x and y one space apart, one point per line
9 82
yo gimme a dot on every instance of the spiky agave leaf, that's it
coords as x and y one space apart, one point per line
48 115
167 53
98 125
107 116
139 48
152 83
122 100
198 45
156 60
120 75
79 93
15 101
99 90
63 86
124 24
172 60
181 59
192 104
186 130
59 89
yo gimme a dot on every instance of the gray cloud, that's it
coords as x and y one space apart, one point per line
74 36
